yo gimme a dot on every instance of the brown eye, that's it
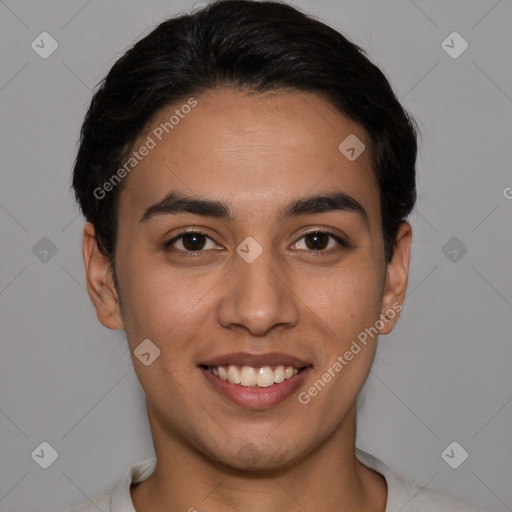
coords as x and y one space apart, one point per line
316 241
192 241
320 241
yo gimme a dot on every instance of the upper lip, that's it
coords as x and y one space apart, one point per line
247 359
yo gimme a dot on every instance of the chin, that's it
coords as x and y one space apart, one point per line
254 457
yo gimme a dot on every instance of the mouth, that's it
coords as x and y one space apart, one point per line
250 376
255 381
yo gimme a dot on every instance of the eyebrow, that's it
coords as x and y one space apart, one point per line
174 203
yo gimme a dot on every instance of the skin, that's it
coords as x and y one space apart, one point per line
255 153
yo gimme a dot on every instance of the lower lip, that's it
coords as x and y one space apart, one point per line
255 397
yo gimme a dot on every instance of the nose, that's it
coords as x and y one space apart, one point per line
258 296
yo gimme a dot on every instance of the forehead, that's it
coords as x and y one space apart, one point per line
251 151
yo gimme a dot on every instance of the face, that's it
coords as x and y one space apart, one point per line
250 248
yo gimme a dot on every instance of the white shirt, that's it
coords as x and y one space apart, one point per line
403 495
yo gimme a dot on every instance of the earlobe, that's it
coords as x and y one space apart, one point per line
100 284
397 274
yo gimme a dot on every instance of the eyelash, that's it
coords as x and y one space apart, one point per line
343 243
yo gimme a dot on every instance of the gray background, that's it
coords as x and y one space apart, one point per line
444 373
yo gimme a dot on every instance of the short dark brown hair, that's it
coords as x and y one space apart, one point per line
250 45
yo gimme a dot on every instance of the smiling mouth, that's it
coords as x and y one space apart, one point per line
253 376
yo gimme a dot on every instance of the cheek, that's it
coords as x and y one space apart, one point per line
346 301
159 303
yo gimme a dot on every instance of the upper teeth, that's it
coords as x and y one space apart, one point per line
262 376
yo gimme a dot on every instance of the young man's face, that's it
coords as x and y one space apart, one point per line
213 299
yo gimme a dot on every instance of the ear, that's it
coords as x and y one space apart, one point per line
397 274
100 282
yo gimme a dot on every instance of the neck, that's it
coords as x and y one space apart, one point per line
330 479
